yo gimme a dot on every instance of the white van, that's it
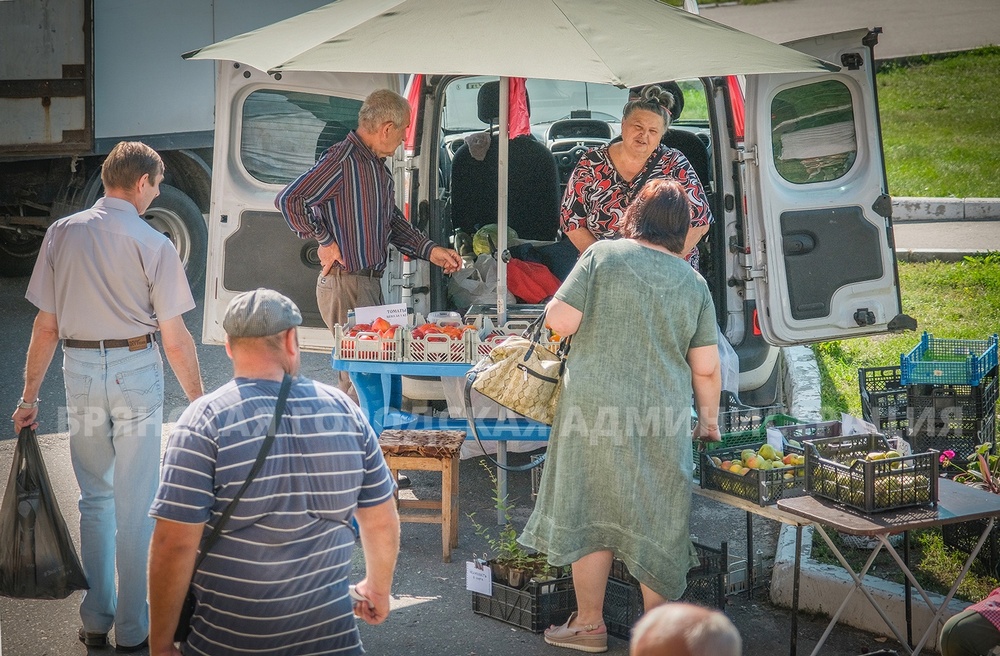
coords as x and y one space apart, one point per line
801 250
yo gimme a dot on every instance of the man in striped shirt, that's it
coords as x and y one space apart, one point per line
347 203
275 582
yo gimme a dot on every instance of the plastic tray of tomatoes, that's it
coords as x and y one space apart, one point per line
379 341
431 342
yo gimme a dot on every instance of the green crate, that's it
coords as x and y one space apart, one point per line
757 434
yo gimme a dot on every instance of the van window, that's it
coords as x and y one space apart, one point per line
813 134
285 132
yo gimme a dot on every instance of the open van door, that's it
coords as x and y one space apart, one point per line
268 131
819 214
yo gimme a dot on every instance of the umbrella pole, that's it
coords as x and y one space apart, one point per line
502 160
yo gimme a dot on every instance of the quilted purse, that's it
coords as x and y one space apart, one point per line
522 375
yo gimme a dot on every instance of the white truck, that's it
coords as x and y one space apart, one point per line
78 76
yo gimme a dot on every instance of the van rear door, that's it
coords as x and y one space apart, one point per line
819 216
269 130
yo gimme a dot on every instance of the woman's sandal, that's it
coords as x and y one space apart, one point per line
579 638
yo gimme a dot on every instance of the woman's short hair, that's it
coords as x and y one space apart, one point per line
660 214
383 106
127 162
652 98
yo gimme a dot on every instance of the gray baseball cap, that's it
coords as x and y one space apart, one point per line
260 313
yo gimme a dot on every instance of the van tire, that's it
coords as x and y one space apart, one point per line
175 215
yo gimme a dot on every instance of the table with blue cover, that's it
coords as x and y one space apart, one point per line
380 392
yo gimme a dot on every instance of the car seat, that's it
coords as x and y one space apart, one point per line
690 145
532 187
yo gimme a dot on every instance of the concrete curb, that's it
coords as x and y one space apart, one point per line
945 209
822 588
940 254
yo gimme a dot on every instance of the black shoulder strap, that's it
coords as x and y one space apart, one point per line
475 432
265 448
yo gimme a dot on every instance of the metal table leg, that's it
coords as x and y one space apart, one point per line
858 585
793 643
939 611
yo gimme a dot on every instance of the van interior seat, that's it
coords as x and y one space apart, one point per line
532 187
687 143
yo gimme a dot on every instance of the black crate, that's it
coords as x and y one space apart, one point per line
706 586
534 607
963 536
735 417
836 469
883 399
963 441
762 486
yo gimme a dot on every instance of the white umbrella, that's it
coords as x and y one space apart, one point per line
620 42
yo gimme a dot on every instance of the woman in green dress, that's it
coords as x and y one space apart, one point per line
617 479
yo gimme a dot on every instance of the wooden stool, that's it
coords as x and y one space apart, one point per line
428 450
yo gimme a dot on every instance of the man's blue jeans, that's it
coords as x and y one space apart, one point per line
114 400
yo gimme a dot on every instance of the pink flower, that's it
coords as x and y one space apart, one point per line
949 454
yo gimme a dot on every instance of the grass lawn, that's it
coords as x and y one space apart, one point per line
959 301
939 126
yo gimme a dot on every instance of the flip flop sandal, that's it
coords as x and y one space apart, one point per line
578 639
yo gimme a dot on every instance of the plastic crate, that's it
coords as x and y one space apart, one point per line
883 397
438 347
962 438
735 417
754 435
836 469
948 361
963 536
706 586
368 346
534 607
762 486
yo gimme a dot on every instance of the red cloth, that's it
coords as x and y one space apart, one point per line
518 120
530 282
414 93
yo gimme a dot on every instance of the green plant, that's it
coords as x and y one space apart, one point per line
503 543
983 470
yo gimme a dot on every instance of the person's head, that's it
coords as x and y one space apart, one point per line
678 629
133 171
645 119
382 121
261 331
660 214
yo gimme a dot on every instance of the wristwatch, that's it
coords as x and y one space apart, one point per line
24 405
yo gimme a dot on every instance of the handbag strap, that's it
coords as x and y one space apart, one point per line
534 333
475 432
265 448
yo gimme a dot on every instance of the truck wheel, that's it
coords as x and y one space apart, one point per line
176 216
17 253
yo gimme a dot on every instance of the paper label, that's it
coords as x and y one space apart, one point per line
478 578
394 313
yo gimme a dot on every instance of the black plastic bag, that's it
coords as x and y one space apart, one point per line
37 557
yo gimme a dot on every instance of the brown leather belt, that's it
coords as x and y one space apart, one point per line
364 273
133 343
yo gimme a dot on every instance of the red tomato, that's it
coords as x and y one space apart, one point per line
380 324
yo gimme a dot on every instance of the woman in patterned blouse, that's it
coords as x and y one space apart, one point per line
606 179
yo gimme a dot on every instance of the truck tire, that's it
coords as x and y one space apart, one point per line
176 216
17 253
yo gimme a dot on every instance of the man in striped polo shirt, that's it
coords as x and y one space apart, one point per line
347 203
276 580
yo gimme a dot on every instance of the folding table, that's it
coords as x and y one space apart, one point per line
957 503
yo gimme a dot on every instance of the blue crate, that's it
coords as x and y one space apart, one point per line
948 361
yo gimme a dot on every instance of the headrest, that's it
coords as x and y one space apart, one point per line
489 102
